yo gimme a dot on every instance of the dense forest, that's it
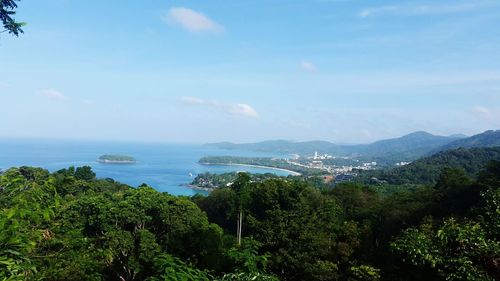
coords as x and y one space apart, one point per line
427 170
68 225
210 181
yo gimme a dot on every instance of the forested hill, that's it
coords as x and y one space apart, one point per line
428 169
68 225
405 148
487 139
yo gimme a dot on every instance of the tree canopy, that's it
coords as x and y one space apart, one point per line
69 225
7 13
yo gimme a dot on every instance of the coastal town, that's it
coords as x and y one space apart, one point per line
332 164
326 167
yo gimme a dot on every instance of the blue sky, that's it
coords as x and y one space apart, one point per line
201 71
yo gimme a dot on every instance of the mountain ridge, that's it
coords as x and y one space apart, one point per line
427 170
488 138
405 148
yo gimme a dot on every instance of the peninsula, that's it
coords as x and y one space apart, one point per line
116 159
261 162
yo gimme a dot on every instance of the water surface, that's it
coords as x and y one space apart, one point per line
166 167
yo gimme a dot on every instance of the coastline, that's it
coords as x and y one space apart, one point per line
195 187
292 173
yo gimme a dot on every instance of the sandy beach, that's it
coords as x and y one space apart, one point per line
293 173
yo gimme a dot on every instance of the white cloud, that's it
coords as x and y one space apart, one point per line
307 65
191 20
409 10
243 110
239 109
379 10
52 94
481 110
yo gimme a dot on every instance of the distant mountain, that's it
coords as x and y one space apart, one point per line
427 170
406 148
487 139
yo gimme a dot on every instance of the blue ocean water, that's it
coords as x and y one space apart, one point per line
166 167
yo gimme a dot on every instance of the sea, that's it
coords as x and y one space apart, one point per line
165 167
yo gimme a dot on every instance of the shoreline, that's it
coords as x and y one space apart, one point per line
292 173
195 187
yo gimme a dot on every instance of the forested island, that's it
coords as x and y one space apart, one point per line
116 159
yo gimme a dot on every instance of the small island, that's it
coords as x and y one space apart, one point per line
116 159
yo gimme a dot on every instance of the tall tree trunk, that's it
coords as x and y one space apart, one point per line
238 229
240 223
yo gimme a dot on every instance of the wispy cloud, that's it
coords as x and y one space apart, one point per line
192 21
426 9
307 65
243 110
192 100
481 110
488 116
3 84
238 109
52 94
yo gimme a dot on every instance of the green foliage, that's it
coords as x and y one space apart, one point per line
7 12
84 173
427 170
212 181
489 138
364 273
28 200
68 225
247 277
114 158
246 257
458 251
101 229
173 269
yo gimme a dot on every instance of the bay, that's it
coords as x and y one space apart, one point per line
165 167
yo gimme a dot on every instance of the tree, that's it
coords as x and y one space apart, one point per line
456 250
7 12
239 186
84 173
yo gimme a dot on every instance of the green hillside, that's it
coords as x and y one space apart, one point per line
390 151
489 138
428 169
68 225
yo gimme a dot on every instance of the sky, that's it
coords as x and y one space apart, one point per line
346 71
